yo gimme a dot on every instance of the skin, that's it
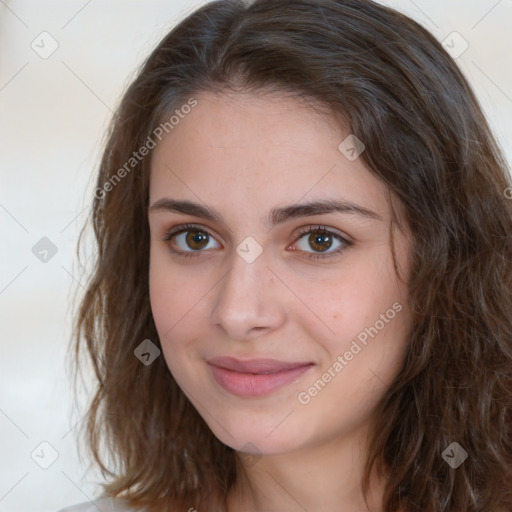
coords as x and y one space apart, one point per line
242 155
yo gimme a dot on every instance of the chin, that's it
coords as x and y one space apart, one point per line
270 435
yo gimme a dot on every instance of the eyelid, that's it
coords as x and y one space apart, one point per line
344 239
183 228
322 227
304 230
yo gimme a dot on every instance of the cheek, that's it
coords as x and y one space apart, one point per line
177 298
169 306
361 362
173 294
366 312
354 296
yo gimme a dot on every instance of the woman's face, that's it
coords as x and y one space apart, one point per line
247 281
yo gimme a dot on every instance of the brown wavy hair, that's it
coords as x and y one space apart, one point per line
427 139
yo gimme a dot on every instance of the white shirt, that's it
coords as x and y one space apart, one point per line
101 505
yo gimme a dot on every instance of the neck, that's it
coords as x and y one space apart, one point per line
320 478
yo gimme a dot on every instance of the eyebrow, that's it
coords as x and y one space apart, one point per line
275 216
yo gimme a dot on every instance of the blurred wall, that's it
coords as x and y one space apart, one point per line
63 67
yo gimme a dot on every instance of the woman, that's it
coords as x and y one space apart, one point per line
301 299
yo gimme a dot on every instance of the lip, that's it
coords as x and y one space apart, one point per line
255 377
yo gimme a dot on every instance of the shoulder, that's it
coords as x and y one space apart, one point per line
101 504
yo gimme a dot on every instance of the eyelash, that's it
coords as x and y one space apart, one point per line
304 231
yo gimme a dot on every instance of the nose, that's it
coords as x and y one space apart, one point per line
250 299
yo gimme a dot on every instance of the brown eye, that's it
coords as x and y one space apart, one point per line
196 239
190 239
320 241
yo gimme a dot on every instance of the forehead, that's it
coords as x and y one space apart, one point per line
253 151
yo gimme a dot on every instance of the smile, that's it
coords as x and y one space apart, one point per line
247 384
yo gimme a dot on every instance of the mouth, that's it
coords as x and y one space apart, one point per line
255 377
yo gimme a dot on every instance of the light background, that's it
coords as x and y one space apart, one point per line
53 114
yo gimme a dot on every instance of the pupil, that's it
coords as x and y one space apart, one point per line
196 239
321 239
